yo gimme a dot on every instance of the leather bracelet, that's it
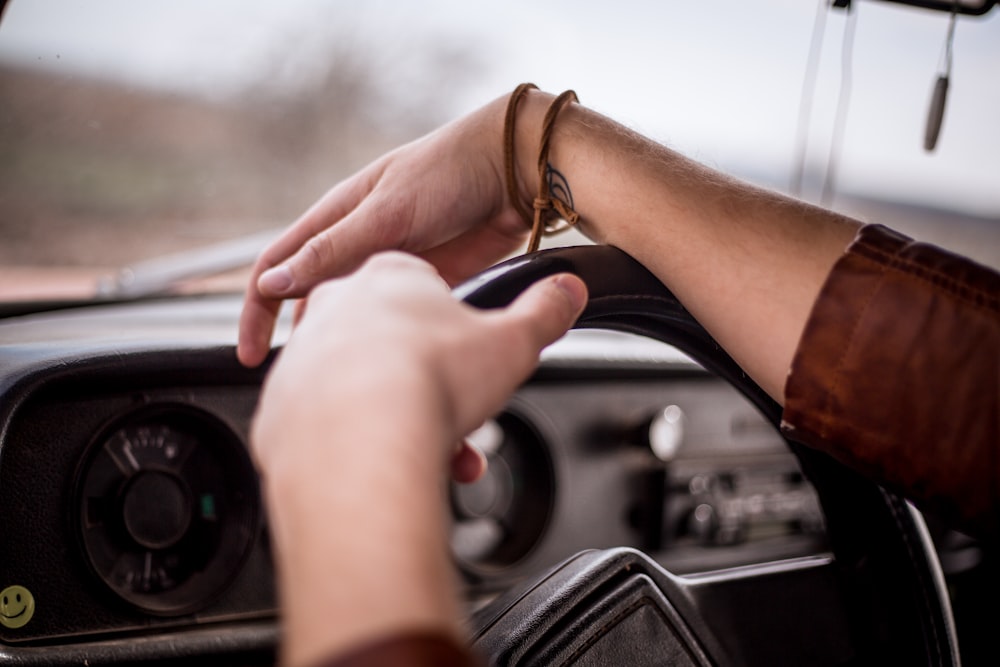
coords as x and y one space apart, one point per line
508 149
554 200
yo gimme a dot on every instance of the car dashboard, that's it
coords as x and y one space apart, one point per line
133 520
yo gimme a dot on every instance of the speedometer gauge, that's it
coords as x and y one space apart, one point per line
168 506
501 517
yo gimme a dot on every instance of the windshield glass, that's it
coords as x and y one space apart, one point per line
134 130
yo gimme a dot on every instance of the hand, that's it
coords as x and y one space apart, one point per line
392 336
353 434
468 463
442 197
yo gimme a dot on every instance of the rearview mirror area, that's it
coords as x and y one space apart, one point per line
968 7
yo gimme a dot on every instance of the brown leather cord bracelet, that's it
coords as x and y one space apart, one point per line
554 200
508 149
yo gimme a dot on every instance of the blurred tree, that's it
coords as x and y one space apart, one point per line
96 172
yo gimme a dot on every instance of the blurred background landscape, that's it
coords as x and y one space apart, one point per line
198 131
159 172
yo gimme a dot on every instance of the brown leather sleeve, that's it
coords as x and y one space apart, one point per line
897 375
422 649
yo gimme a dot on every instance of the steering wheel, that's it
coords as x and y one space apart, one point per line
878 599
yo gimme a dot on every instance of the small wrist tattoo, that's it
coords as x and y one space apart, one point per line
558 186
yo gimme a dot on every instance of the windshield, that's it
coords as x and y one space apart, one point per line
131 131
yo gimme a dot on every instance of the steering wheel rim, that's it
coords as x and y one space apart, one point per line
896 608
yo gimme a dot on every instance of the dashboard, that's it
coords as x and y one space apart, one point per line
132 521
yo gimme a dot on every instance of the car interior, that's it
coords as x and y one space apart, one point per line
641 505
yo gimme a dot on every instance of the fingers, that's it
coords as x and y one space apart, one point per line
260 308
300 310
332 212
507 351
467 463
547 309
257 320
330 253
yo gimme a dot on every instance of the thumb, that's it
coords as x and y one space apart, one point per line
547 309
509 350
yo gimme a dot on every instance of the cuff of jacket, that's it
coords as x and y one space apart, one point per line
413 649
897 375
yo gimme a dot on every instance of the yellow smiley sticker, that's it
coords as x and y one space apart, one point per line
17 606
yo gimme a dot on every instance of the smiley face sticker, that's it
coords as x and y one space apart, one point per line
17 606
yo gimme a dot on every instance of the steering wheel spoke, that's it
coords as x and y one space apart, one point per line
618 606
751 609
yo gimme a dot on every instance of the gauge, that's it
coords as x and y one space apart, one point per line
168 508
501 517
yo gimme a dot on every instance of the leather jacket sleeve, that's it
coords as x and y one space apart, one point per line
409 650
897 375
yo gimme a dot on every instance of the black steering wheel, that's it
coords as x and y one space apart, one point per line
879 599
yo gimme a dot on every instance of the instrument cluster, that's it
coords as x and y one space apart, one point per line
130 503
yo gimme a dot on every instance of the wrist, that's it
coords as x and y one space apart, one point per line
549 147
360 560
358 518
528 120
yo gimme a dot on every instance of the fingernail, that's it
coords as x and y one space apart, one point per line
574 289
276 281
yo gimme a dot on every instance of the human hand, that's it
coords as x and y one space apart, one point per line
441 197
354 432
393 335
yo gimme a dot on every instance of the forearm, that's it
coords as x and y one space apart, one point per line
359 526
748 263
393 577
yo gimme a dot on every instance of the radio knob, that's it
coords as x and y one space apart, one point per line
665 432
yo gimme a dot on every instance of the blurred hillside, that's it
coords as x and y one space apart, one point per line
98 174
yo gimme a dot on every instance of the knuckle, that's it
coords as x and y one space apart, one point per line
391 219
265 260
317 253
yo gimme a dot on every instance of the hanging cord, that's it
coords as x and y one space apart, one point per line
843 105
807 97
935 114
950 39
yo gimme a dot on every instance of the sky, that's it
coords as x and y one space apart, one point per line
719 81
